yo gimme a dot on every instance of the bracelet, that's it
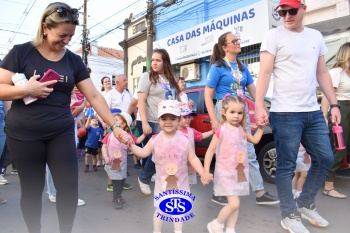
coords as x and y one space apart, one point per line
115 125
334 105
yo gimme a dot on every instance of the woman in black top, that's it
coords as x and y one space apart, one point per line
43 131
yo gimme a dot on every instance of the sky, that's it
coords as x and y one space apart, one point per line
19 20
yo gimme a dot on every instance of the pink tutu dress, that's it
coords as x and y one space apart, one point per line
231 176
116 148
174 151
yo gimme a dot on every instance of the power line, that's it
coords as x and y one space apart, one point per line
25 13
15 32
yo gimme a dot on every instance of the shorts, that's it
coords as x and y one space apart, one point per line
99 144
91 151
301 166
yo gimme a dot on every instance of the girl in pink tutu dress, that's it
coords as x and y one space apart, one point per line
171 151
231 176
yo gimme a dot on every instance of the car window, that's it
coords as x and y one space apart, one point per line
194 96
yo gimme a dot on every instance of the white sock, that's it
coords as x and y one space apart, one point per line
297 194
230 230
177 231
294 191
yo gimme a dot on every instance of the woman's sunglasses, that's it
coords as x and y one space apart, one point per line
293 11
64 12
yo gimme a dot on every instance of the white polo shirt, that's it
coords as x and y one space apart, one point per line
115 99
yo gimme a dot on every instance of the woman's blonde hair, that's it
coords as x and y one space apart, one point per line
234 99
342 57
52 21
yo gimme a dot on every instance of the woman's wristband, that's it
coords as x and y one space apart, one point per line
115 125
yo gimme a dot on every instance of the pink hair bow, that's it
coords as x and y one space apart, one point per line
225 97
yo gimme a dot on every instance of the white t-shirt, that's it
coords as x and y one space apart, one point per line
115 99
184 97
294 70
138 118
341 81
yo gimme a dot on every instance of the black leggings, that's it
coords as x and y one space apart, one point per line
117 188
31 158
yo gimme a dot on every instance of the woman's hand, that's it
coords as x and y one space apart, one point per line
38 89
146 128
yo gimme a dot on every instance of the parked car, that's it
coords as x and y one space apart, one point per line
265 149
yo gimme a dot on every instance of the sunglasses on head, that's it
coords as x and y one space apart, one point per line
293 11
64 12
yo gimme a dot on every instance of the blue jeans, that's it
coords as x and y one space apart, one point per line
255 179
148 166
289 129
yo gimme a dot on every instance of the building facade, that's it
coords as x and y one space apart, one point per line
135 49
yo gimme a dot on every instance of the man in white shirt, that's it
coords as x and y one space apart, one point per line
119 97
294 55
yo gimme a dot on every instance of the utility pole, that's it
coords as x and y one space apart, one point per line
85 47
150 27
150 33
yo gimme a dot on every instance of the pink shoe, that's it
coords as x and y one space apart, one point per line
215 227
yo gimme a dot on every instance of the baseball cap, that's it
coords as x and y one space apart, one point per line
291 3
168 107
126 117
115 111
185 110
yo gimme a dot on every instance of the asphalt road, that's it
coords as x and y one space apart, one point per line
99 215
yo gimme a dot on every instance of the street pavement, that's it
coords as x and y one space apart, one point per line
99 215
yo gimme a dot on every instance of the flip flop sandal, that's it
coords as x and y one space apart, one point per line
326 193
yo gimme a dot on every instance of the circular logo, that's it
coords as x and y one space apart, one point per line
175 206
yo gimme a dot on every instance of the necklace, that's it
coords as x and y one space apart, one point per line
237 76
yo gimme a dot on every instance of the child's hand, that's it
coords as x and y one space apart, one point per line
107 161
206 178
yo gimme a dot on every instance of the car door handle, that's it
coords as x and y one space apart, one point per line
206 121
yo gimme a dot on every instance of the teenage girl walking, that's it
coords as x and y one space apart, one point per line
231 176
115 155
171 151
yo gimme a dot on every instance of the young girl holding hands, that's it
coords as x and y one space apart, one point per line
115 155
171 151
231 176
192 135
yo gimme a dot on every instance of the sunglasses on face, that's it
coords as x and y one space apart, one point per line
64 12
235 41
293 11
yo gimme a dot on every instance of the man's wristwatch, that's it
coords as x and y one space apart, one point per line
334 105
115 125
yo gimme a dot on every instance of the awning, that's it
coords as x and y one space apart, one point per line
329 27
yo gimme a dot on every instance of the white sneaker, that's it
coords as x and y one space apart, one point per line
52 198
153 178
81 202
313 217
3 181
145 189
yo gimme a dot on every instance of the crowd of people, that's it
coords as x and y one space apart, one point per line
159 113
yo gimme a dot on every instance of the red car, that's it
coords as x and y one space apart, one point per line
265 150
